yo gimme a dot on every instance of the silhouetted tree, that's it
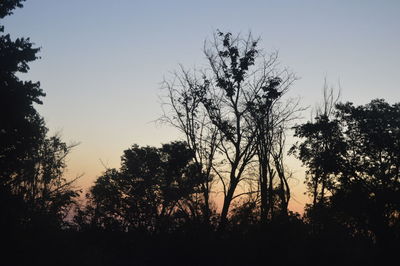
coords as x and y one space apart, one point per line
369 188
21 125
355 156
223 113
32 188
152 191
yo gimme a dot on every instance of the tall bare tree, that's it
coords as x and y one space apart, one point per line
225 111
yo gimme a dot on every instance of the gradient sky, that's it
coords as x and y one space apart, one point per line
103 61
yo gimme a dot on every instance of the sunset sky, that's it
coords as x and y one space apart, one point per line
102 62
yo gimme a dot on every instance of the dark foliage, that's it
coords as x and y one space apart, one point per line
353 162
155 190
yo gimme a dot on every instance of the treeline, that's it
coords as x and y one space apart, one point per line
218 197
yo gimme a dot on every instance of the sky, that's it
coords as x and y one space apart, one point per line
102 62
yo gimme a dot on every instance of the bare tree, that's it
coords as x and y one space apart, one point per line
226 113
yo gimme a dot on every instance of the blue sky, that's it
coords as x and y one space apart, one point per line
103 61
